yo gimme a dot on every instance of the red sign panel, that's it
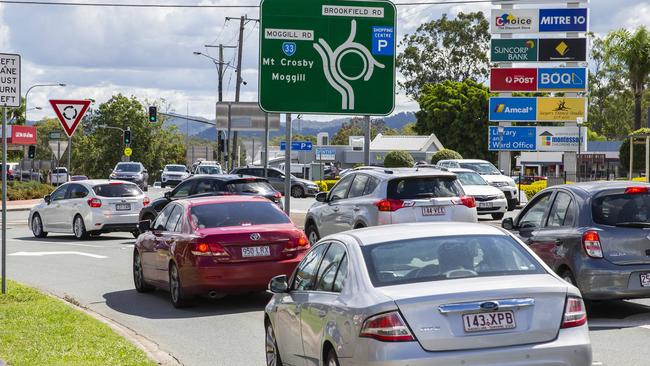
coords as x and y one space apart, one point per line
70 113
23 135
512 80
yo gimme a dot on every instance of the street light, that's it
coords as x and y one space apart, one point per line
579 122
37 86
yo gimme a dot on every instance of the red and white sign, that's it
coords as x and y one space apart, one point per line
22 135
512 80
70 113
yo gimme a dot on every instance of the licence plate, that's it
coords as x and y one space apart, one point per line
433 211
494 320
645 279
123 206
247 252
485 204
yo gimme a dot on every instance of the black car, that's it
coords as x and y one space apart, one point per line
210 185
131 172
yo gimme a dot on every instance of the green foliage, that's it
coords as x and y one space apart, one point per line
445 49
457 112
409 129
355 127
398 159
17 190
275 141
639 152
445 154
326 185
594 136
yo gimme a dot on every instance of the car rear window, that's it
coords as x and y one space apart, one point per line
424 187
175 168
614 209
117 190
59 171
255 187
226 214
127 167
447 257
207 169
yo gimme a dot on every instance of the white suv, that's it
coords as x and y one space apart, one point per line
491 174
388 196
173 174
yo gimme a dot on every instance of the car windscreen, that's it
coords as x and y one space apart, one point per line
447 257
227 214
424 187
253 187
117 190
175 168
127 168
471 179
481 168
60 171
617 209
207 169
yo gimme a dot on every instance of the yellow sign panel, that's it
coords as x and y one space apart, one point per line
560 109
128 151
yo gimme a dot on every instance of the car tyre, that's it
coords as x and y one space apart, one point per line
94 234
497 216
512 205
297 192
312 234
176 288
37 227
272 352
567 276
79 228
135 233
138 275
162 185
332 359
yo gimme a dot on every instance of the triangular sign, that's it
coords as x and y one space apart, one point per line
70 113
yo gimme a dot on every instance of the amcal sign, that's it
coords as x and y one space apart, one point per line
509 80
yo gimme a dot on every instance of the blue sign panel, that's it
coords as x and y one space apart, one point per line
383 39
513 109
563 20
569 79
297 145
512 139
289 48
325 153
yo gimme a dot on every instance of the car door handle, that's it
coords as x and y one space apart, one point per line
335 209
356 208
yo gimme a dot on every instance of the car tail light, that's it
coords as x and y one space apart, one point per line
95 202
146 201
388 327
297 243
575 313
468 201
209 250
591 243
636 190
389 205
115 183
277 195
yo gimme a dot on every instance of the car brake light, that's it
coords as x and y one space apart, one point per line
468 201
389 205
388 327
209 250
95 202
146 201
591 244
297 244
115 183
636 190
575 313
277 195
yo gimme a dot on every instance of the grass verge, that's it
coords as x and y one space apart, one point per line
36 329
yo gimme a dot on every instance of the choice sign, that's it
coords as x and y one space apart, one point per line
538 20
564 79
509 80
327 56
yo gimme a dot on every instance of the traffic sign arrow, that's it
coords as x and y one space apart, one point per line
70 113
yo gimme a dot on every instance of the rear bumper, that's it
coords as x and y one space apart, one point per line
499 206
603 280
111 222
572 347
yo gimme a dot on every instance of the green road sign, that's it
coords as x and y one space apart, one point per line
514 50
327 57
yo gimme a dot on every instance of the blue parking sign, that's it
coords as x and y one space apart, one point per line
383 41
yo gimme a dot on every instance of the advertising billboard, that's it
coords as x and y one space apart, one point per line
513 109
510 79
538 20
514 21
513 50
562 79
563 20
562 49
560 109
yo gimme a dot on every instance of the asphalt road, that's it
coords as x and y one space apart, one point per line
97 273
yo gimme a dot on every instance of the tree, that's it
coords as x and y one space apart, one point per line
639 152
457 112
594 136
409 129
445 154
398 159
275 141
354 127
445 49
630 52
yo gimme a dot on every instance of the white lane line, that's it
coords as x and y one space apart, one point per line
58 243
40 254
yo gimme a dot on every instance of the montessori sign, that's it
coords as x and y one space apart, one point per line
537 109
539 20
538 50
536 138
327 56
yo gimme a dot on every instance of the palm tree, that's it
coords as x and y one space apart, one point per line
630 52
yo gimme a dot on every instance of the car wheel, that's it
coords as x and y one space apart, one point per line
135 233
568 277
297 192
79 228
331 359
498 216
176 288
94 234
272 353
512 205
37 227
312 234
138 274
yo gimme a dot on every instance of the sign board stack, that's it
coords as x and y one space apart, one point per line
538 51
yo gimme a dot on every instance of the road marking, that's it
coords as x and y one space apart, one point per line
40 254
60 243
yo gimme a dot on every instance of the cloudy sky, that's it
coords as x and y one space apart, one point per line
100 51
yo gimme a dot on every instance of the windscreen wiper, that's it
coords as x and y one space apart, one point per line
640 224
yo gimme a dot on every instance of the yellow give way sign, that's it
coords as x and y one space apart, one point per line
128 151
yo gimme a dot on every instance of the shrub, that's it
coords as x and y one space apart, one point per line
445 154
398 159
326 185
27 190
533 188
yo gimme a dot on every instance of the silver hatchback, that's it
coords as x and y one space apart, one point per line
425 294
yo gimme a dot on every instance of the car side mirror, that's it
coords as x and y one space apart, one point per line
321 197
502 172
47 198
144 226
508 223
160 171
279 284
168 195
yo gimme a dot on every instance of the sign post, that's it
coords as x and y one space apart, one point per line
9 97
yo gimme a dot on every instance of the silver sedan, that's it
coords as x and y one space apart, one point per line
424 294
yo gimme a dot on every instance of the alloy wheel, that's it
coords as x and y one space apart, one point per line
137 271
174 284
37 227
271 350
313 237
79 229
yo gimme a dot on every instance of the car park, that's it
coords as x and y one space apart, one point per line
299 187
215 246
425 294
489 200
173 174
89 208
213 185
12 171
380 196
131 172
491 174
594 235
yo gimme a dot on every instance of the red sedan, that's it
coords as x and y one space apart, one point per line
216 246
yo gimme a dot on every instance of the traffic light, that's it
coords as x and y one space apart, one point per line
31 152
153 114
127 137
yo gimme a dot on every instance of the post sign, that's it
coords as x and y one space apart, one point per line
561 109
562 79
70 113
536 138
538 20
514 50
540 109
508 80
327 56
562 49
9 80
297 145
